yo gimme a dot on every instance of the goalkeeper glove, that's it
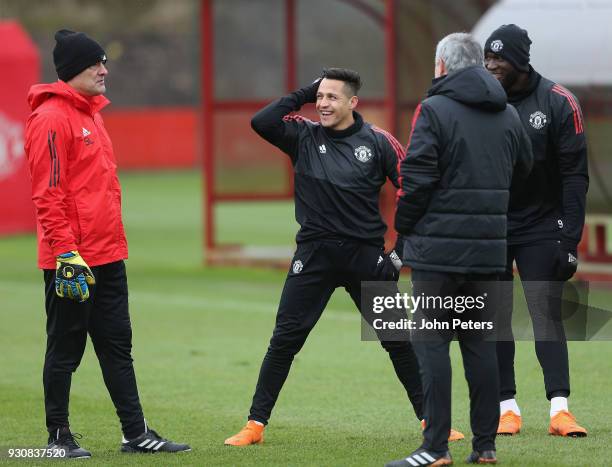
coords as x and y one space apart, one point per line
395 259
389 267
73 277
567 262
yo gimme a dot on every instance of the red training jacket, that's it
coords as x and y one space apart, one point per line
75 188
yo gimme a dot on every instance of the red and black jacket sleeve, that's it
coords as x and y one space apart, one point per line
573 165
48 141
419 173
274 125
392 155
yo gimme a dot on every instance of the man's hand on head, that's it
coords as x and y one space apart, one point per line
310 91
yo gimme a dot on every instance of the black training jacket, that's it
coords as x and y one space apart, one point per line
551 203
338 174
455 179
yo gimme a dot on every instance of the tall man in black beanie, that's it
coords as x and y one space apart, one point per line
82 244
545 221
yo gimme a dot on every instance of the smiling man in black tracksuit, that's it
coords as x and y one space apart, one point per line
465 146
545 221
340 165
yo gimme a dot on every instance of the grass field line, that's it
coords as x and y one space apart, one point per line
210 304
207 304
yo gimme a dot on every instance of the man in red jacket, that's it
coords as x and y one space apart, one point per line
82 244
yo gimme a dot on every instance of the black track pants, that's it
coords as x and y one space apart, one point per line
477 350
317 269
537 266
106 318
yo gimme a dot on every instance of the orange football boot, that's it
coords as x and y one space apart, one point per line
454 435
252 433
509 423
564 424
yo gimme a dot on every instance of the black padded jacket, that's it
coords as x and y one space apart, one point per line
466 143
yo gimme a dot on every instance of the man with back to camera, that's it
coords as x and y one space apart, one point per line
340 165
545 222
82 244
465 145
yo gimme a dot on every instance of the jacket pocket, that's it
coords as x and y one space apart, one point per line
75 222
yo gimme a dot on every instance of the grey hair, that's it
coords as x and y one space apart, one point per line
459 50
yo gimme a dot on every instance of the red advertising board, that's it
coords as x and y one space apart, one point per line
19 62
153 138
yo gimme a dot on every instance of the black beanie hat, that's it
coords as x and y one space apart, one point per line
73 52
512 44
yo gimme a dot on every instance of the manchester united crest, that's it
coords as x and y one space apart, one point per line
363 153
538 120
12 156
297 266
497 46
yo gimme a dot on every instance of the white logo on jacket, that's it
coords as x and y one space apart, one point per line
363 154
297 266
538 120
497 46
11 146
86 132
322 149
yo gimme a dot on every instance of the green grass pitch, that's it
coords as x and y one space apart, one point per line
200 335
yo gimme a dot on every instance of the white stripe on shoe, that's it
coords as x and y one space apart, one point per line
153 443
146 441
159 445
419 459
428 457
